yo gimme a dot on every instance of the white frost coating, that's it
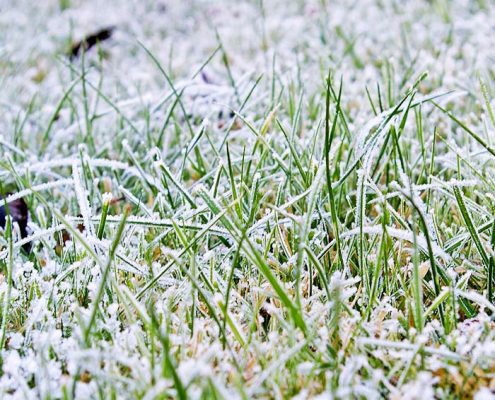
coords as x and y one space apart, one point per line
421 188
82 199
420 205
107 197
379 45
408 346
38 188
477 298
395 233
198 189
35 236
129 196
360 198
155 222
43 166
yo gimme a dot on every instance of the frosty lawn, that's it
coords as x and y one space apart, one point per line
248 199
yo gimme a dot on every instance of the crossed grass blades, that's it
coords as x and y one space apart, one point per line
233 241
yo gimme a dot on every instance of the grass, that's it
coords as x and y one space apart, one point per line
292 199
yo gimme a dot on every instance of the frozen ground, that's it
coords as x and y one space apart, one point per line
202 226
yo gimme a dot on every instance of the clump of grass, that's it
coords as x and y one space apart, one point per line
280 202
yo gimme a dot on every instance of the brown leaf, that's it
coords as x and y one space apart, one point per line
19 212
91 40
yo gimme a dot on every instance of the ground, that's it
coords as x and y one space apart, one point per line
248 199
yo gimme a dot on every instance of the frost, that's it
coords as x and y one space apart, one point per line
122 131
